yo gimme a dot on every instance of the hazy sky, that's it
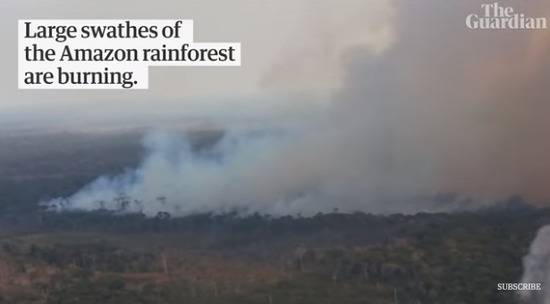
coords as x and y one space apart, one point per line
381 98
289 48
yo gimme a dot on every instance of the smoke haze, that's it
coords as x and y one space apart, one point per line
420 106
536 268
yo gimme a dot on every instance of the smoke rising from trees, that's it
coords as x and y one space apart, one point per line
439 109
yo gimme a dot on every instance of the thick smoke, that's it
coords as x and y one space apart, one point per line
443 109
536 267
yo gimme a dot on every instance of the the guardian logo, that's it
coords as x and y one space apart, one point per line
497 17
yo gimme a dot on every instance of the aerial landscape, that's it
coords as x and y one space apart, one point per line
363 151
111 256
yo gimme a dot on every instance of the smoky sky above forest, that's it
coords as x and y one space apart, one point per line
363 102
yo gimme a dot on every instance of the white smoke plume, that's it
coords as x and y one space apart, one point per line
442 109
269 172
536 267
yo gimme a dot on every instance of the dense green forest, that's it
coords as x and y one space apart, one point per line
100 257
